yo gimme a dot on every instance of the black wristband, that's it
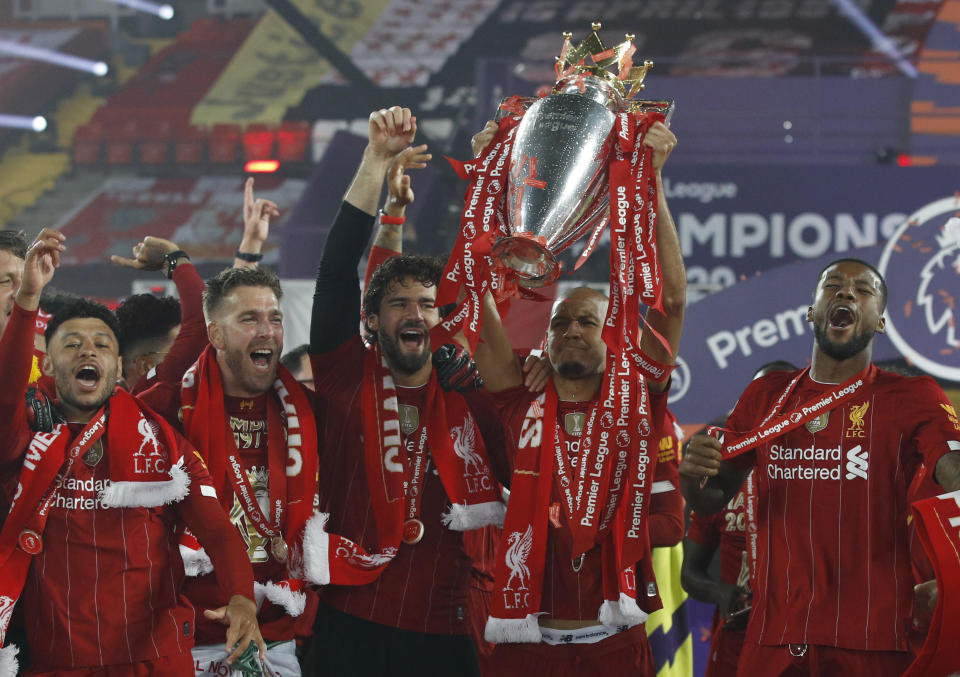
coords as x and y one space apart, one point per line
248 257
171 260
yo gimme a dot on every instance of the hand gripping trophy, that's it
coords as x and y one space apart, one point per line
548 175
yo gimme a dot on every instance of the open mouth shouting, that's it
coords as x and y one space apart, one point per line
412 338
841 318
87 377
262 358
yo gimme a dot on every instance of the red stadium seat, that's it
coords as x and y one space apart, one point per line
188 145
120 141
224 140
293 139
87 141
258 142
155 142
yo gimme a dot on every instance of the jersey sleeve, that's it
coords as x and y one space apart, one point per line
16 346
202 513
938 427
704 529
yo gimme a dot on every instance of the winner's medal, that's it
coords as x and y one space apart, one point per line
279 548
412 531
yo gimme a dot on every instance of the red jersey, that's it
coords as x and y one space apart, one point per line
426 586
725 532
247 421
572 592
105 589
833 562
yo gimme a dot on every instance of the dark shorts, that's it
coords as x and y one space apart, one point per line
347 645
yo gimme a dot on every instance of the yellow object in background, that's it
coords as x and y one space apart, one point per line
667 629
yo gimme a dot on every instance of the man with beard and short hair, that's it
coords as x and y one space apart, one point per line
255 427
97 506
405 465
834 448
298 362
556 610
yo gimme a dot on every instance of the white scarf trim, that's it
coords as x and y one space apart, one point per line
625 611
292 601
8 661
513 630
463 517
316 550
148 494
195 562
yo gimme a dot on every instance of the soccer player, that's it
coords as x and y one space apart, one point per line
98 503
160 334
405 465
297 361
255 427
833 448
587 603
724 532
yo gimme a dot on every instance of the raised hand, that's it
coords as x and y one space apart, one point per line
662 141
537 371
482 139
398 182
148 254
391 130
256 219
43 258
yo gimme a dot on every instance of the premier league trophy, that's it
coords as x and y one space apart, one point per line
558 177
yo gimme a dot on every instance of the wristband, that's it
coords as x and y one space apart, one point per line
388 220
171 260
248 257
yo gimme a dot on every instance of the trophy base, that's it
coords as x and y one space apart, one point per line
534 264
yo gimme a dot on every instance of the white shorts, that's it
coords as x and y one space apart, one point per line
211 660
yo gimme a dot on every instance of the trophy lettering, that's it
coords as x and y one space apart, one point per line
558 169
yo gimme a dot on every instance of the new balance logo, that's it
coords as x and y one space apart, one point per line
857 463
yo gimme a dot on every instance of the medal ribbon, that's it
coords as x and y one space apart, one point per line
276 480
776 424
417 470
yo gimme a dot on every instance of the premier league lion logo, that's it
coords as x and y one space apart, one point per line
921 264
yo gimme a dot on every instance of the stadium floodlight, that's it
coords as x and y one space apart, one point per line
163 11
98 68
878 40
37 123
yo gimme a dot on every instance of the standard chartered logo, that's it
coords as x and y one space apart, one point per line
857 463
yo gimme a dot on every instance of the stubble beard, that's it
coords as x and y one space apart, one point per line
841 351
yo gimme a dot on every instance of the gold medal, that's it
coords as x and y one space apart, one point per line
279 549
412 531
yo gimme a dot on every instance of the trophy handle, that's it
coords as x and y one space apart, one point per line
525 101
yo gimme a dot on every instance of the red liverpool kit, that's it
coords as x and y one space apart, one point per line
833 558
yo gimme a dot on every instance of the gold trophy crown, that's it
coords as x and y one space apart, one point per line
590 57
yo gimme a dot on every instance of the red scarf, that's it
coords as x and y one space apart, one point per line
937 521
146 471
206 424
457 450
605 501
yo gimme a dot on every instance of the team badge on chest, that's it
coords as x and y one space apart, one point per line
409 418
819 423
573 423
93 456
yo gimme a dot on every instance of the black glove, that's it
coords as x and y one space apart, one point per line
41 414
456 370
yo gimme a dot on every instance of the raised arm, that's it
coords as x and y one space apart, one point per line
670 324
256 227
336 299
16 344
496 362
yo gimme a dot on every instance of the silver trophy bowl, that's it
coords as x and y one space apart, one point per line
567 133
